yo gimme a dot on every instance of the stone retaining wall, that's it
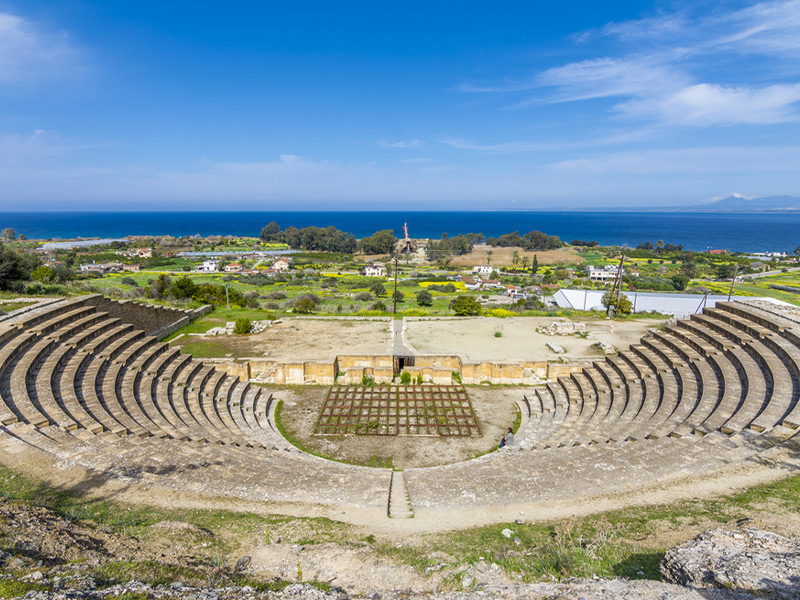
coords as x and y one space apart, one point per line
158 321
434 369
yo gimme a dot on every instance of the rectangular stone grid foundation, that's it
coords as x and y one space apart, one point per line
430 410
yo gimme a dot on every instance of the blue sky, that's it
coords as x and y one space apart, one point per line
108 105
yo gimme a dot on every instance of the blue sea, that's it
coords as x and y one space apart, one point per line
739 232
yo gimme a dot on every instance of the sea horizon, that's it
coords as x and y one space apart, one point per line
694 230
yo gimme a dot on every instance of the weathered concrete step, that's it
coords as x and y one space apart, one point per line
399 501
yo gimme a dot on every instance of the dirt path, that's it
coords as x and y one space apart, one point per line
773 465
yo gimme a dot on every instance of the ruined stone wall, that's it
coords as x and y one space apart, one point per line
434 369
555 370
158 321
270 371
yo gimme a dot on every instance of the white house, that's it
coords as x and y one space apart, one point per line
209 266
233 268
606 273
482 269
471 284
281 264
375 270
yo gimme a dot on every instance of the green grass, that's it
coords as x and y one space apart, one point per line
208 349
8 307
13 588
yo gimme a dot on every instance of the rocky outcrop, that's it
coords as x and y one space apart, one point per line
749 559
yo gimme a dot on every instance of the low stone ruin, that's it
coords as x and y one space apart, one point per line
255 327
562 328
605 347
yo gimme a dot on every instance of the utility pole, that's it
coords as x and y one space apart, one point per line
394 296
617 286
227 300
733 281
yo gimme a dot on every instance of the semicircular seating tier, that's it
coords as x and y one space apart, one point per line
86 382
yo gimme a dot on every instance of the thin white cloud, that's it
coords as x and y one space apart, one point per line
666 69
511 147
702 161
515 147
605 77
403 144
28 54
705 105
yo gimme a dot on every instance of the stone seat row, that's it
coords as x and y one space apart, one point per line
72 366
724 370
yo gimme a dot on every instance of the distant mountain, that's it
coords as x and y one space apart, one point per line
767 204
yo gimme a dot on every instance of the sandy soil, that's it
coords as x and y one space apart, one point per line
494 407
501 257
308 339
475 339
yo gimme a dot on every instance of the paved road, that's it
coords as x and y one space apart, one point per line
757 275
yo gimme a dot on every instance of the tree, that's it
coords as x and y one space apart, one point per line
424 298
378 289
490 253
183 288
157 287
689 268
535 265
797 251
8 234
271 232
680 281
610 299
304 305
14 267
398 296
724 271
43 274
381 242
515 258
466 306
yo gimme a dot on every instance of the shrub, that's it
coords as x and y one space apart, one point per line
398 296
405 378
129 281
276 296
466 306
378 306
242 326
625 305
419 378
424 298
367 381
304 305
313 297
364 297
